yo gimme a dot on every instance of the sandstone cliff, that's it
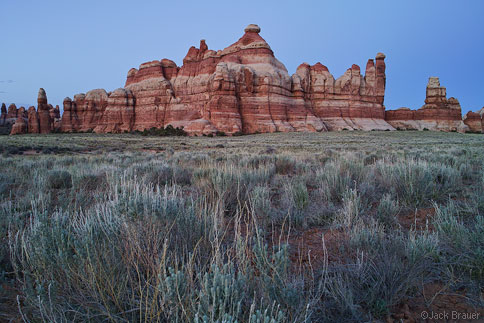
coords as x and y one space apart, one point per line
242 88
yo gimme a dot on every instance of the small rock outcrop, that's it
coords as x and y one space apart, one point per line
19 127
474 121
438 113
3 114
12 112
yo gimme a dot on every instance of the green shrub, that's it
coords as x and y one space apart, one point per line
163 132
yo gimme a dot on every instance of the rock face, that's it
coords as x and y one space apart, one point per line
474 121
242 88
438 113
353 101
119 113
69 117
11 114
20 127
85 112
33 121
45 121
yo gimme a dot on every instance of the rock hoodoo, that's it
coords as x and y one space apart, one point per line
45 119
438 113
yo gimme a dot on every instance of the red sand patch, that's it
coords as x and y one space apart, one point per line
417 220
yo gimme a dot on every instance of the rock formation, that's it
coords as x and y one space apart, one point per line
242 88
481 112
474 121
69 122
33 125
45 121
438 113
119 113
11 114
19 127
3 114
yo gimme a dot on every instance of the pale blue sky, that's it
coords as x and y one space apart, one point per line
68 47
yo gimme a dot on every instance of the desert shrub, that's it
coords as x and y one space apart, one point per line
158 266
294 201
269 150
336 177
91 182
260 204
229 186
388 268
59 179
462 241
351 209
371 159
163 132
387 211
7 182
417 183
285 165
159 174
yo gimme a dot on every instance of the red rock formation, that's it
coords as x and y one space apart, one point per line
20 127
3 115
481 112
55 117
11 114
242 88
70 122
474 121
245 88
438 113
33 121
89 109
22 113
352 101
45 121
119 113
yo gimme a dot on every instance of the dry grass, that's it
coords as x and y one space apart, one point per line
134 228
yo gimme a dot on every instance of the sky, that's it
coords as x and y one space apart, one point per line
70 47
